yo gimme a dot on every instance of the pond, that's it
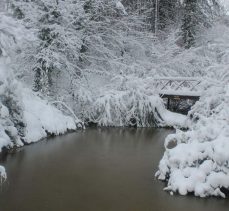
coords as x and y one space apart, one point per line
96 169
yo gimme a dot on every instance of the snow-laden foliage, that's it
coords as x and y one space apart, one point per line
11 111
65 32
126 101
24 116
81 47
197 161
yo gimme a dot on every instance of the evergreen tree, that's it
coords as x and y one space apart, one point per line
48 36
168 12
197 15
59 25
189 23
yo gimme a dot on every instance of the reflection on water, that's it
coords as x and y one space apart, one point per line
96 169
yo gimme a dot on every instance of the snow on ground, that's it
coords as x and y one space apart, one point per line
172 119
27 115
197 160
41 118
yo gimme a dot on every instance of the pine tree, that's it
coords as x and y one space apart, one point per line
197 15
168 12
189 23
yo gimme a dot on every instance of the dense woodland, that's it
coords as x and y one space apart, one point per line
72 36
74 42
93 61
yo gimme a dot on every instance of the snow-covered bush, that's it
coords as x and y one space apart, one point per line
126 108
124 101
197 160
24 116
11 111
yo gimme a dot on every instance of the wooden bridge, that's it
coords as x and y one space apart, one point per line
178 88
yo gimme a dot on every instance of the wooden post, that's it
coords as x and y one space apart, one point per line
168 103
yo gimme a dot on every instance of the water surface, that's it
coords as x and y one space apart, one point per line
96 169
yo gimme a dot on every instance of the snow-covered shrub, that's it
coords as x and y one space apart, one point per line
76 40
126 101
198 162
125 108
11 119
24 116
4 124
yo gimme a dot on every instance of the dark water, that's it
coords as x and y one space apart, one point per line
94 170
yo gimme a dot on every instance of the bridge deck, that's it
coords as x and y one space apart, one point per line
179 97
180 94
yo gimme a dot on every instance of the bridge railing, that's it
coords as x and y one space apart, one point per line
178 85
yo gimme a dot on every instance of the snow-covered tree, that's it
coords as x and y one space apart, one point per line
197 16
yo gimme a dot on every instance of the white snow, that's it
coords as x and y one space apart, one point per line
24 116
198 162
181 93
42 118
120 7
39 117
173 119
3 175
114 87
129 101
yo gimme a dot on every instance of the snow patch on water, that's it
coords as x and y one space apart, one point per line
3 175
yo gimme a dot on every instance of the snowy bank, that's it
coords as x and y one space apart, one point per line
25 117
42 119
197 161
